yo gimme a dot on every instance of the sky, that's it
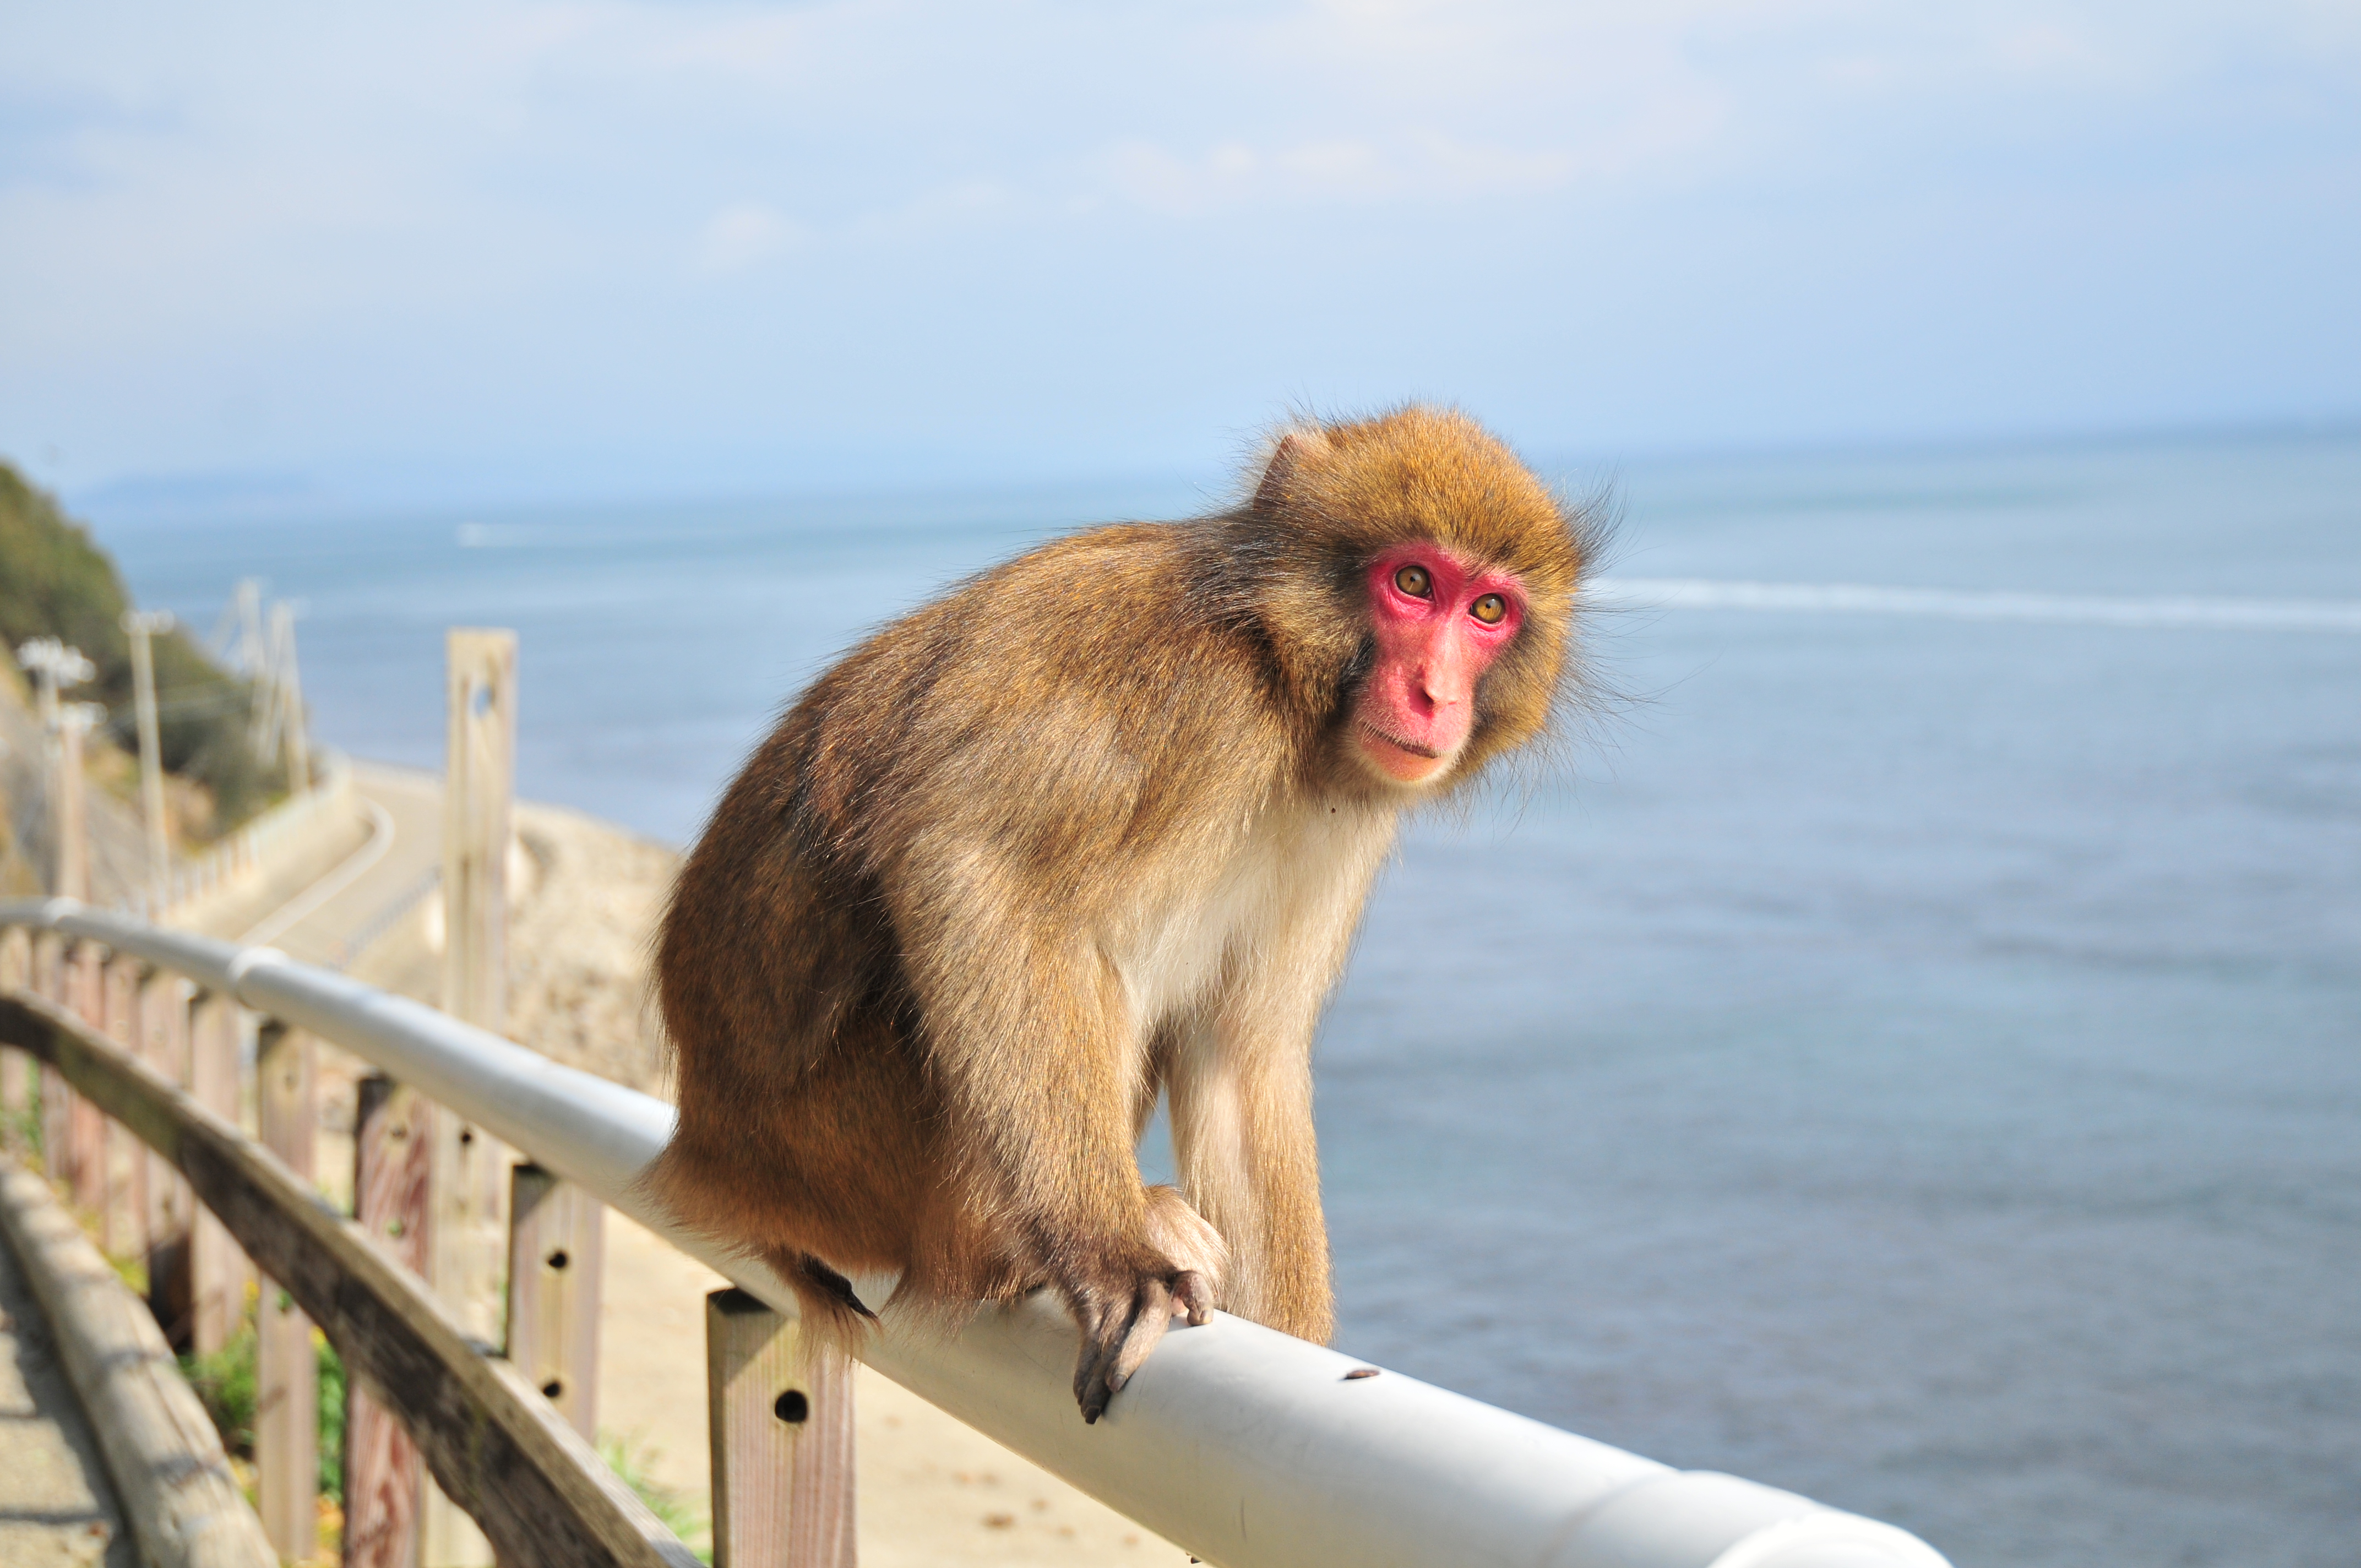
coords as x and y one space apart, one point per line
492 250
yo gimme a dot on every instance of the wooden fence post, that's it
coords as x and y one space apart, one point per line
218 1271
384 1477
122 1158
86 1152
76 1153
478 786
53 980
164 1044
780 1415
464 1239
557 1257
15 1066
542 1491
287 1397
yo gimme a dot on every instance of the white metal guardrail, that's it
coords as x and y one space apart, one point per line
1248 1448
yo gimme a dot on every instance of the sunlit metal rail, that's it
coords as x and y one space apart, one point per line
1246 1447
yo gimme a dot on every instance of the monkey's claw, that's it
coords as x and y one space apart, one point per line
1118 1333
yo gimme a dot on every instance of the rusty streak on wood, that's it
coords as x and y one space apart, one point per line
384 1481
496 1446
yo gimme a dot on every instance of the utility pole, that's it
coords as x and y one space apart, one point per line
75 719
249 659
143 625
286 691
252 660
54 667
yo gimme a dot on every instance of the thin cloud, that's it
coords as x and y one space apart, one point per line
744 236
1340 169
387 226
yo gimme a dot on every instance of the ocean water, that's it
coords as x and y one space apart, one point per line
1909 1057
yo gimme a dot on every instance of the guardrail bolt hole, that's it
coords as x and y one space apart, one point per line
552 1390
466 1136
791 1408
558 1258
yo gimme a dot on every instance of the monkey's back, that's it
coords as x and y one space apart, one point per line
1061 717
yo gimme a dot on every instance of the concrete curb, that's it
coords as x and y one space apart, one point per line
170 1474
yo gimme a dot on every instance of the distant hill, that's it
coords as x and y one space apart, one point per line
56 582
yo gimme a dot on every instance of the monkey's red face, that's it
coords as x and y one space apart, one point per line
1439 621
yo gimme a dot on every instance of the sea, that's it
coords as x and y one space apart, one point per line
1905 1049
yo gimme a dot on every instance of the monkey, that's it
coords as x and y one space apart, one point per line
1097 826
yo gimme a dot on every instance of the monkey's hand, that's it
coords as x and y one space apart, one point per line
1122 1317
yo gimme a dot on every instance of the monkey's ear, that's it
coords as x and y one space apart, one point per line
1297 451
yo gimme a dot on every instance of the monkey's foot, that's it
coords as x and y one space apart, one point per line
1189 1239
1120 1327
829 1300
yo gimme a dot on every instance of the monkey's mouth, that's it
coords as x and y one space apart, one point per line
1399 744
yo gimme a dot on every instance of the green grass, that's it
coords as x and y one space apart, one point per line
226 1382
630 1459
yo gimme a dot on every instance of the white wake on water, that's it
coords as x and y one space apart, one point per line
2181 610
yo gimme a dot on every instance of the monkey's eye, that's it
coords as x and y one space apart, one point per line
1489 610
1415 581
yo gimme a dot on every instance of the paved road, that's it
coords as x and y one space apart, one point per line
321 903
327 921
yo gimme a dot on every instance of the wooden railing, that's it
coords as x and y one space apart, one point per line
496 1444
1243 1445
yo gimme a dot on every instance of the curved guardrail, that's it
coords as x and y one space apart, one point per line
1246 1447
242 853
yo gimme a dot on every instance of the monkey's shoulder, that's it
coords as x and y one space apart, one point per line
1077 691
1155 568
1106 613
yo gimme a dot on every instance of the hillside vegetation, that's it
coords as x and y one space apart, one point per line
56 582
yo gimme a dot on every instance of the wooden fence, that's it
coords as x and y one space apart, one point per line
495 1442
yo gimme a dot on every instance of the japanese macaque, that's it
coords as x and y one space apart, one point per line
1097 825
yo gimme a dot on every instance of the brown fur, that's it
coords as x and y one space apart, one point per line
1080 831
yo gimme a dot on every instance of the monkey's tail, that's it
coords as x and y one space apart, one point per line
833 1311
